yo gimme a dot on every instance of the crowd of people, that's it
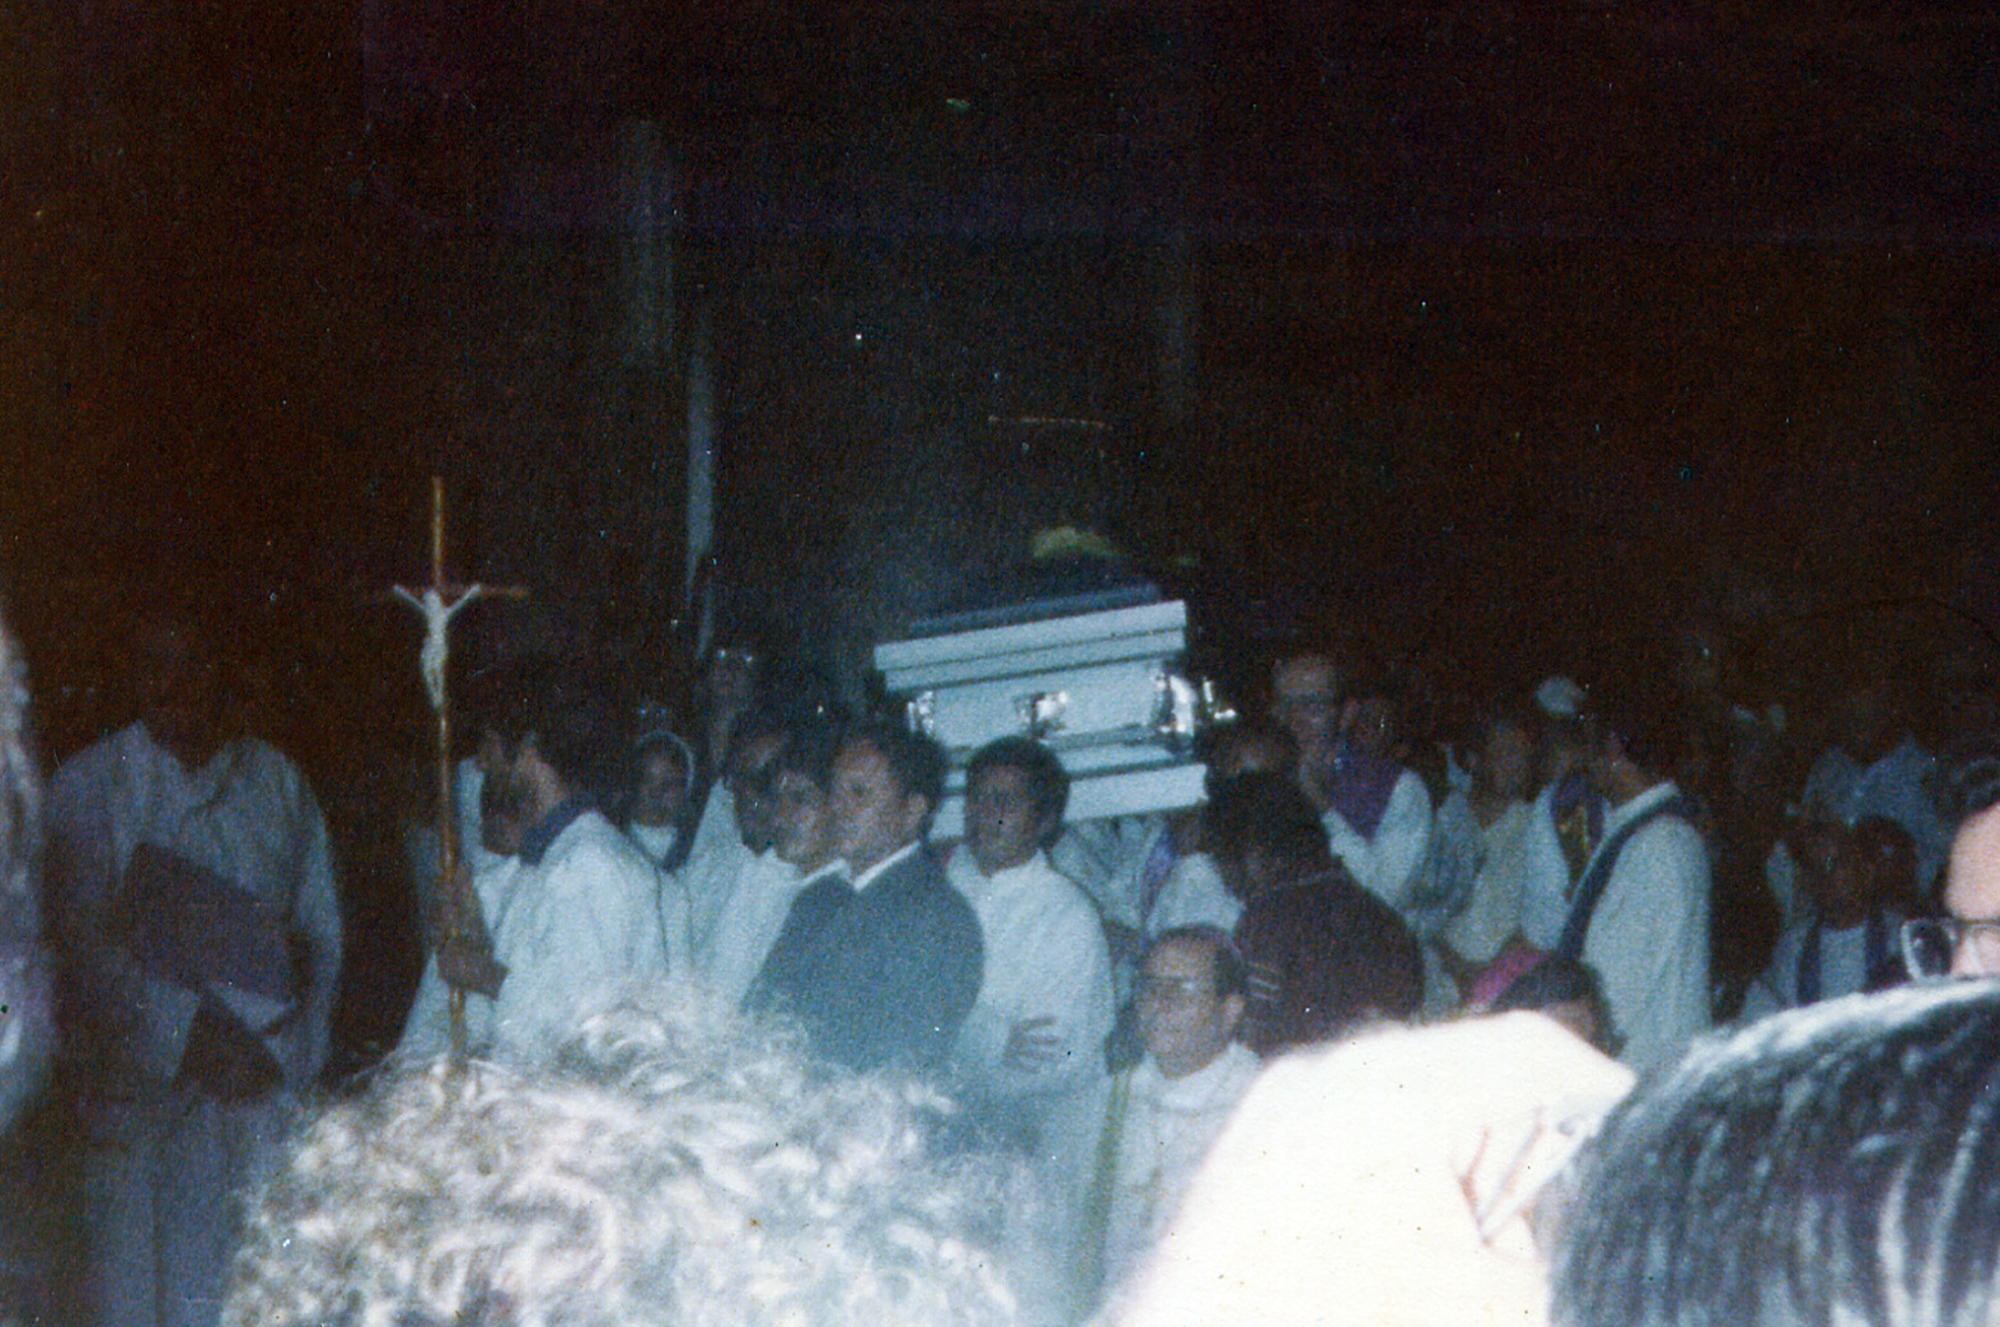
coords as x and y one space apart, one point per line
712 1029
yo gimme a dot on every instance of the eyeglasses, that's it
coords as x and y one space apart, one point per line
1172 990
1931 943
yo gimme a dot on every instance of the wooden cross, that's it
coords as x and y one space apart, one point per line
439 602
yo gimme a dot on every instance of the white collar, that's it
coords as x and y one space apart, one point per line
1620 816
869 876
963 870
1210 1085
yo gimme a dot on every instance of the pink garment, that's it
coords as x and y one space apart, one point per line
1509 965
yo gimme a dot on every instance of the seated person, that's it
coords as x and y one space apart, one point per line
1860 897
1193 992
1324 954
668 1165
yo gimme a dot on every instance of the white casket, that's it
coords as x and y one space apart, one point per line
1103 689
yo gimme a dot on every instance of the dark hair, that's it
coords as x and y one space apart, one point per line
1048 781
1232 973
1650 739
575 726
917 762
1264 810
1221 747
809 751
1555 981
1830 1164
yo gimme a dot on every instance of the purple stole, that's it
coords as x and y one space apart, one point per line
1360 789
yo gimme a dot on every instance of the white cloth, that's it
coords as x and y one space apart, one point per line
1545 880
1648 939
1843 965
1386 863
1107 860
1044 957
715 858
656 841
1493 914
581 924
162 1159
1381 1182
1194 895
1167 1129
749 924
427 1029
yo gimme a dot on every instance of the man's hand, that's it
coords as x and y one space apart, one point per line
1033 1046
469 965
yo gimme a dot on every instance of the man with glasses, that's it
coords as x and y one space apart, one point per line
1966 941
1167 1110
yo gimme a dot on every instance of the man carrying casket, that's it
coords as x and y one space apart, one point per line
192 903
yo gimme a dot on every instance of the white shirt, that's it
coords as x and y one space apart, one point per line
1194 895
1843 964
1167 1129
1044 957
248 816
467 782
1648 939
427 1029
1107 859
1386 863
1546 881
656 841
717 855
875 872
742 936
580 924
1493 913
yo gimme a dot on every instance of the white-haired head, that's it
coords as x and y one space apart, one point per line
673 1164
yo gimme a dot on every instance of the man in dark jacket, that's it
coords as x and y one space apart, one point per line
880 972
1324 953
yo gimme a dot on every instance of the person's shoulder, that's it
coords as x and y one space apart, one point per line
86 767
593 842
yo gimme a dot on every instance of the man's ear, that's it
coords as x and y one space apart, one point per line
1048 829
1234 1007
916 810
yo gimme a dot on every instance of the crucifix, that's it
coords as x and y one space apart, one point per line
439 602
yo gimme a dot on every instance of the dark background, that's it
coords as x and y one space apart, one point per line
1511 332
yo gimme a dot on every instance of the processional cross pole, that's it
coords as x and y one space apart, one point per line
439 602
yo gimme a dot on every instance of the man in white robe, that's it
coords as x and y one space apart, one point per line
735 825
583 913
802 852
1170 1107
186 1078
1030 1055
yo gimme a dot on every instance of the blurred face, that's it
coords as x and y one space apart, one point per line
1001 826
732 679
183 696
874 817
661 787
1184 1021
1373 729
749 774
1507 761
801 821
1305 700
